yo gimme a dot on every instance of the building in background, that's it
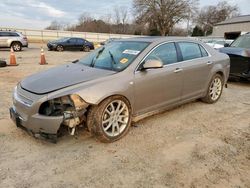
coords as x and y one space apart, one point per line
233 27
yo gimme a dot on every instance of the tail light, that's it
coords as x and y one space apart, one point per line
25 38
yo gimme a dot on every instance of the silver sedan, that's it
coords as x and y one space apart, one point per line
121 82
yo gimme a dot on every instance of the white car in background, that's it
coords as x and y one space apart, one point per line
217 44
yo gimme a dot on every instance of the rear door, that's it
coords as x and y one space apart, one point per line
80 44
156 88
72 44
196 65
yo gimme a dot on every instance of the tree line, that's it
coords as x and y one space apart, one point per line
155 17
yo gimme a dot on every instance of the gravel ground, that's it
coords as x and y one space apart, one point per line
195 145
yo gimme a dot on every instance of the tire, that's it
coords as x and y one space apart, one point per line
59 48
86 49
3 63
16 46
214 89
103 120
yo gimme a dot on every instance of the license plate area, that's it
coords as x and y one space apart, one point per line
15 117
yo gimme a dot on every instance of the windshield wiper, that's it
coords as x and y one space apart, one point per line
92 64
113 60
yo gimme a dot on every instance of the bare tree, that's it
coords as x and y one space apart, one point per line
121 18
210 15
117 15
164 14
84 17
55 25
124 14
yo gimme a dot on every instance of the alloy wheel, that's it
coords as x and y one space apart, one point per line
215 89
115 118
16 47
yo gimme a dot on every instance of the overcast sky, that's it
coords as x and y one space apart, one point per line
38 14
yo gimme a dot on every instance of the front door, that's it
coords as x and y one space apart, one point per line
157 88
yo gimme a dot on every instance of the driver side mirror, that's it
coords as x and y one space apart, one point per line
226 45
152 64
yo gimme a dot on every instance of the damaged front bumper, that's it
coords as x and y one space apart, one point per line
38 125
43 117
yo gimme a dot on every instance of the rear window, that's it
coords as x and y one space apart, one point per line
190 50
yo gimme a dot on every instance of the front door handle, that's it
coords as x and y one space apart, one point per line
178 70
210 62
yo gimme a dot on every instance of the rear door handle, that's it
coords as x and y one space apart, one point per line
210 62
178 70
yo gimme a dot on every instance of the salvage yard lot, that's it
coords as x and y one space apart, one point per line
195 145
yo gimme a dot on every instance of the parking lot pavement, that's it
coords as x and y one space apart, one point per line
195 145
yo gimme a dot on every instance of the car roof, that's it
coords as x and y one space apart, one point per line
159 39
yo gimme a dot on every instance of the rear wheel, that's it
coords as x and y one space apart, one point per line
110 120
59 48
16 46
86 49
214 90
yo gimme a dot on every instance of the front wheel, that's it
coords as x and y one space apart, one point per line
110 120
214 90
59 48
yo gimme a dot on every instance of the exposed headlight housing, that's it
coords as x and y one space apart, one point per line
57 106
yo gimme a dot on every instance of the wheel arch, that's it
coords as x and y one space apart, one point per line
222 74
16 41
114 95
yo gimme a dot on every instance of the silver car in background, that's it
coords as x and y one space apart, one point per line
121 82
13 39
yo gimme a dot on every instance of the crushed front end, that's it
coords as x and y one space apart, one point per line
44 118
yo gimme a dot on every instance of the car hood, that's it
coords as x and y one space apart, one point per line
62 77
236 51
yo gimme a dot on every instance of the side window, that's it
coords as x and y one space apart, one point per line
14 35
165 53
80 41
4 34
190 50
203 51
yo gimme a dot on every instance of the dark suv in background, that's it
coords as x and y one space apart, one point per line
13 39
239 53
70 43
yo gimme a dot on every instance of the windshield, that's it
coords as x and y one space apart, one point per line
242 42
115 56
